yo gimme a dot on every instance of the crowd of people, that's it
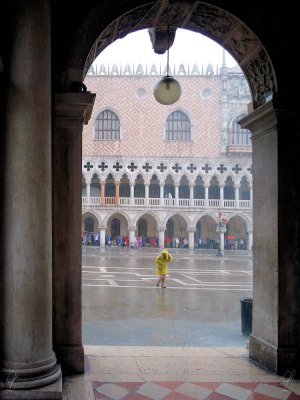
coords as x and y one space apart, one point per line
93 239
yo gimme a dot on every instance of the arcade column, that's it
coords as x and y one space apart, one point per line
72 110
28 361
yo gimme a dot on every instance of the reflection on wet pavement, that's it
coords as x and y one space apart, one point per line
200 307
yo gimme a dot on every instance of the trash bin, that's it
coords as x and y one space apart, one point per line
246 315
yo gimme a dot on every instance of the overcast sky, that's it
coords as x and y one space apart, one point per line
188 48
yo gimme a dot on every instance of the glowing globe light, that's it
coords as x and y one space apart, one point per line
167 90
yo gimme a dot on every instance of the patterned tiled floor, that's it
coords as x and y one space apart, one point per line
192 391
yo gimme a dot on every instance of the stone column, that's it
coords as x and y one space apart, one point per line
191 238
191 195
206 186
131 230
161 237
72 110
251 196
117 196
222 237
102 193
146 194
102 236
132 193
221 195
250 240
176 194
88 192
161 194
27 357
274 341
236 195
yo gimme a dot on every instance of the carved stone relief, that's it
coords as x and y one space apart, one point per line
206 19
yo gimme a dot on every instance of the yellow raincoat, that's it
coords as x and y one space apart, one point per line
161 263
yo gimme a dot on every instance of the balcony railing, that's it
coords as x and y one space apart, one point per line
155 202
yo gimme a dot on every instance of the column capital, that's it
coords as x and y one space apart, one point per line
131 228
72 110
190 230
102 227
161 228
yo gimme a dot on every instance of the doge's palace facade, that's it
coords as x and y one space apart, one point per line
183 170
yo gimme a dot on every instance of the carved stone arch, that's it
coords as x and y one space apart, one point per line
214 176
244 217
88 214
84 177
203 214
212 21
141 213
232 176
142 174
172 214
186 176
112 212
244 175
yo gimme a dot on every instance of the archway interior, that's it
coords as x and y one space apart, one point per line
130 182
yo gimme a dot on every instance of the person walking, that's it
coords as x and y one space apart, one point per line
162 267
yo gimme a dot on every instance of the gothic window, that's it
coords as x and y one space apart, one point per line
83 187
214 190
199 190
178 126
139 187
124 187
184 188
110 189
95 186
244 189
240 136
107 126
154 189
229 192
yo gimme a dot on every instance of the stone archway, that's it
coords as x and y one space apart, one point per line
253 58
32 28
212 21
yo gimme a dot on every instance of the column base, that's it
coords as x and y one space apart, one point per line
71 359
282 361
29 375
49 392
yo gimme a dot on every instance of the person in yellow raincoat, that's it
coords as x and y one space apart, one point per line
162 267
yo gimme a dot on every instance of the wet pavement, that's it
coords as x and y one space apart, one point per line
182 342
200 307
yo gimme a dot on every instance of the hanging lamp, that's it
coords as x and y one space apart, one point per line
167 90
